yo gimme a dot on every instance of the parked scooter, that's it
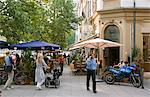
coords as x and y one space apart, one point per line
117 75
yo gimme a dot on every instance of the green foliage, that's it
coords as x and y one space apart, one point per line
27 64
45 1
78 55
22 20
135 54
25 20
61 14
71 38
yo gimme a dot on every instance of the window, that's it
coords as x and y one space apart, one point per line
112 33
146 47
89 8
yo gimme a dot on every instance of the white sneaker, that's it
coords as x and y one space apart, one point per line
37 87
11 87
40 88
8 88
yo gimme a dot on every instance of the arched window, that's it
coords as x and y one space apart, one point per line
112 33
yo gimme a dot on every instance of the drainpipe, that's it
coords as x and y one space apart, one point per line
134 26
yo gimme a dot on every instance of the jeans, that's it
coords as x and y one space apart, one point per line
89 74
10 79
61 66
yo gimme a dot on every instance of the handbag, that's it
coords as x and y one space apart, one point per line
8 68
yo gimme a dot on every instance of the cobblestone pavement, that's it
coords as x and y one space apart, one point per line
74 86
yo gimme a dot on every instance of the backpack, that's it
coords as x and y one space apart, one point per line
10 67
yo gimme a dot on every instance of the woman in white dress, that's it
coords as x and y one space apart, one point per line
39 72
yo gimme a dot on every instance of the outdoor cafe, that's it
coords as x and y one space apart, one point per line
27 52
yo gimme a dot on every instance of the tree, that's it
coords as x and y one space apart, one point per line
61 14
48 20
22 20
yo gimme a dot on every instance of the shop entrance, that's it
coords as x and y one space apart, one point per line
112 54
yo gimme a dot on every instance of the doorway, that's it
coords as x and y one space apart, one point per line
112 54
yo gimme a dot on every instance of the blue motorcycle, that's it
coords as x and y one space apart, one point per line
117 75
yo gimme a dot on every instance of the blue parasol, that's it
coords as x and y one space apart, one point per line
3 44
35 45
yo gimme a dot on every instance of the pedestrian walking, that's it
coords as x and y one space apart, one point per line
46 58
8 67
39 71
18 61
68 59
99 69
61 63
65 58
91 71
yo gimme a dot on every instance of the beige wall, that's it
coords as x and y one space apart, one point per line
124 33
124 21
111 4
139 36
145 26
112 13
125 40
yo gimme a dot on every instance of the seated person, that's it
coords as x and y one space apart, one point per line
119 65
126 63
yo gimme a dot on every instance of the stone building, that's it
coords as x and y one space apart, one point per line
117 20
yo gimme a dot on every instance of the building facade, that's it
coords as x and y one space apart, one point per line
119 21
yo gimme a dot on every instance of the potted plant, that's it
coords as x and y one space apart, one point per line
27 67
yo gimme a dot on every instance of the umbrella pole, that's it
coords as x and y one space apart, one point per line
99 74
98 54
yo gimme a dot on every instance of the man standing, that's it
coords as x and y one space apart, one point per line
9 70
61 63
91 71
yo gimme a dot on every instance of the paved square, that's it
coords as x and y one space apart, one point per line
74 86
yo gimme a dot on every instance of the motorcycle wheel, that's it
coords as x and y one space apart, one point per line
136 82
106 73
109 79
